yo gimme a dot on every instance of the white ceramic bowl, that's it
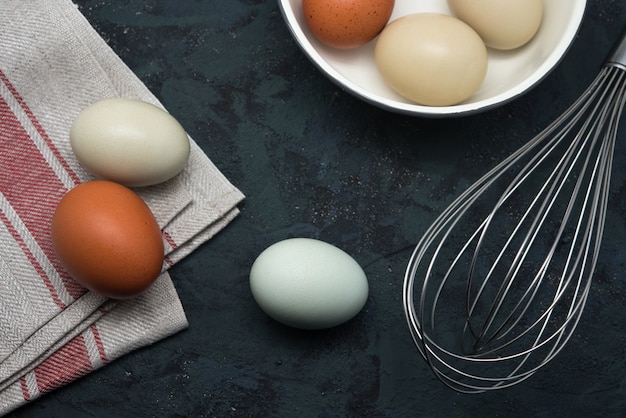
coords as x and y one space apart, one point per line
510 73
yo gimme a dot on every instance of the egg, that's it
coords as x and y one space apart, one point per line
346 24
308 284
502 24
107 239
131 142
431 59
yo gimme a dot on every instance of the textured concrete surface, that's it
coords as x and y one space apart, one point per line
316 162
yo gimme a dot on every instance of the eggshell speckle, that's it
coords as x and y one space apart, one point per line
308 284
130 142
346 24
107 239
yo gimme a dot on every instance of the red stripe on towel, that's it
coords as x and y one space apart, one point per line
31 187
29 184
40 129
64 366
40 271
170 241
24 386
99 344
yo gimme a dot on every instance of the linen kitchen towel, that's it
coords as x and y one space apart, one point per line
52 331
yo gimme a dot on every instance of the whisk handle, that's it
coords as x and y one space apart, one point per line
617 57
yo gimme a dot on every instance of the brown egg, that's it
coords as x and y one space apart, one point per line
107 239
346 24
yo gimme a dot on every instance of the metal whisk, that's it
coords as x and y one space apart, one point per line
506 269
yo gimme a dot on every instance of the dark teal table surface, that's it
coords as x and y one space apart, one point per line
316 162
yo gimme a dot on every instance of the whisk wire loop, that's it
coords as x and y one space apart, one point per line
556 182
506 269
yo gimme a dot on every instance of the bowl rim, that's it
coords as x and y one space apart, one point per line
549 64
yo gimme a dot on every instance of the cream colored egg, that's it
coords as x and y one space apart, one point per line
308 284
503 24
130 142
432 59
